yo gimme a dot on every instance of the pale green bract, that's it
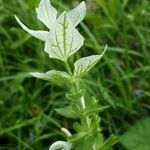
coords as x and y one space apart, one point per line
77 14
41 35
70 39
83 65
46 13
63 40
53 76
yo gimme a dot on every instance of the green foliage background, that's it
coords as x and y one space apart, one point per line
28 119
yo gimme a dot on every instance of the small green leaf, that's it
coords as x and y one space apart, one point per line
98 141
67 112
97 110
77 109
75 95
82 141
53 76
78 127
137 137
92 106
107 145
77 137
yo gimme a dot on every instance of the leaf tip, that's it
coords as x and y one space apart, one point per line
36 74
105 49
17 19
83 4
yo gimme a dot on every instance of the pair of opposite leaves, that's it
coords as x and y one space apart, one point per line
63 39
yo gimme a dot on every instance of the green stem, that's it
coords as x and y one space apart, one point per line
68 68
77 87
82 103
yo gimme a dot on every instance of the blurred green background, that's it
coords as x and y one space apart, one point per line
28 120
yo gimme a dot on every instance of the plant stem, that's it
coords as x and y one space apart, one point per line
82 100
68 67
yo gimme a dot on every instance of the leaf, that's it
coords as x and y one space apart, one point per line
67 112
78 127
82 141
64 40
42 35
107 145
75 95
93 107
83 65
97 110
137 137
46 13
99 139
77 137
53 76
77 14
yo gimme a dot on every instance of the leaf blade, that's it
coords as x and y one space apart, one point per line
64 40
67 112
83 65
137 136
39 34
77 14
53 76
46 13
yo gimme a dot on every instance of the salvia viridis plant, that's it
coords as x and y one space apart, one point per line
62 40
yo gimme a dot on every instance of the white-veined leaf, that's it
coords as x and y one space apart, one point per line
64 40
77 14
53 76
83 65
46 13
42 35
